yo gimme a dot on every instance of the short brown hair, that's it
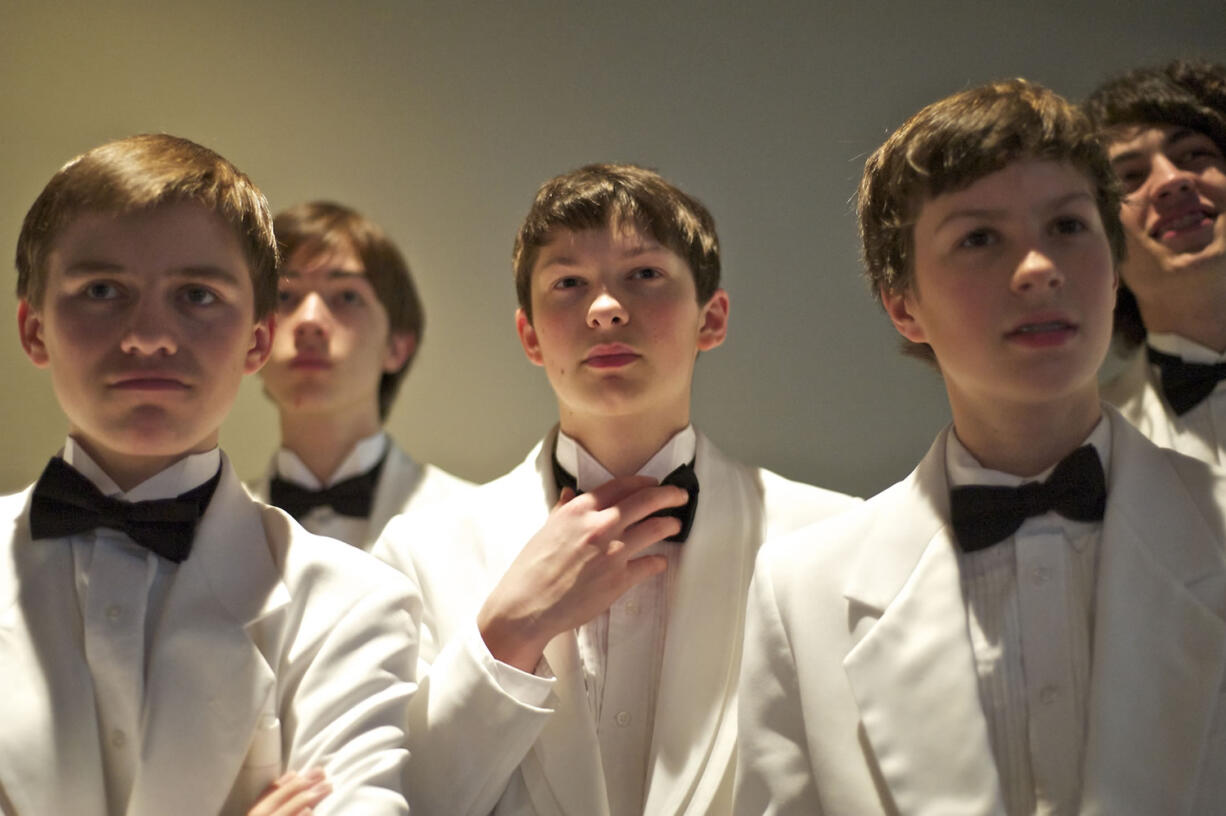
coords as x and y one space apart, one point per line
141 172
951 144
323 226
1188 93
597 195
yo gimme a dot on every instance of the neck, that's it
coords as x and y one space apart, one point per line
322 441
622 445
128 471
1024 440
1194 309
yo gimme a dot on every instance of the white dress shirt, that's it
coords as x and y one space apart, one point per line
323 520
1030 616
1207 419
120 588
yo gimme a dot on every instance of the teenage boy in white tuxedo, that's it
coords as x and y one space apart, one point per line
349 324
958 645
593 669
1166 134
171 645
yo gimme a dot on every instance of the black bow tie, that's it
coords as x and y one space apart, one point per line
352 497
683 477
66 503
983 515
1185 384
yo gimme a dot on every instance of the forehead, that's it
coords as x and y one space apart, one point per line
622 239
1021 183
317 263
179 233
1128 140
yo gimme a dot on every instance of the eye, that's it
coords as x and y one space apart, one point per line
100 290
199 295
977 238
1069 225
287 300
347 297
568 282
646 273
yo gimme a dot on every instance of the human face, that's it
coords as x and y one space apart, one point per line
1013 289
147 326
1175 185
617 325
334 343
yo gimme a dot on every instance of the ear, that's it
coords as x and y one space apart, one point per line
899 308
400 347
713 327
30 328
261 344
528 338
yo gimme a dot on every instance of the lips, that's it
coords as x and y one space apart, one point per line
1186 220
307 363
149 381
610 355
1042 331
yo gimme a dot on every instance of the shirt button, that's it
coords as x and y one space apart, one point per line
1041 575
1048 694
113 612
622 718
118 739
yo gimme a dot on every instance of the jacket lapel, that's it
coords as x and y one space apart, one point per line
208 683
399 479
695 718
49 756
913 671
1160 640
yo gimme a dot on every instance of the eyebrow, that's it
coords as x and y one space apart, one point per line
1177 136
991 214
633 252
333 274
91 266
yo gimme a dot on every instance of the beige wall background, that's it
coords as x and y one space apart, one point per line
440 119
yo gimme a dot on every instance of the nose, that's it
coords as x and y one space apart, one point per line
311 319
606 311
1167 180
149 331
1037 272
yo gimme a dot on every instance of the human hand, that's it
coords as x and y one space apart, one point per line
577 565
293 794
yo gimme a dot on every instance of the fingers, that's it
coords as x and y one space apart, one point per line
293 794
616 490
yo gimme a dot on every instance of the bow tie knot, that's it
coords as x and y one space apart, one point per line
982 515
683 477
65 502
1185 384
352 497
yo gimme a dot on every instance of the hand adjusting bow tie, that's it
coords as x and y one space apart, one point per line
983 514
65 503
1185 384
683 477
351 497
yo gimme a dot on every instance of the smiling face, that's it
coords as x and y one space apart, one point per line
147 326
333 343
617 325
1173 212
1013 289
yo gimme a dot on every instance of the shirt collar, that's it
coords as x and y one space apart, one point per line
191 471
364 456
1187 350
590 474
964 469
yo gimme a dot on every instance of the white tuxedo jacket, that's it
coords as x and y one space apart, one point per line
404 487
858 688
276 650
1138 396
476 750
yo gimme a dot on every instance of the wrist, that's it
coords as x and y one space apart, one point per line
511 641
